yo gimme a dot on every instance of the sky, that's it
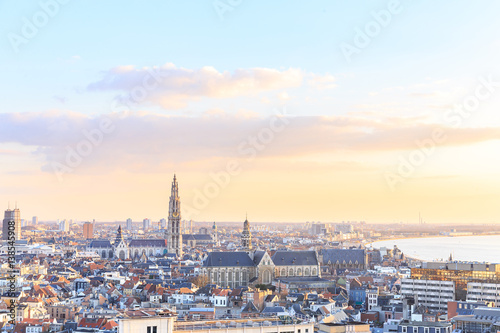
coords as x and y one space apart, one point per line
288 111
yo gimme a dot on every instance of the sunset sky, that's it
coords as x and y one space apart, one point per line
297 109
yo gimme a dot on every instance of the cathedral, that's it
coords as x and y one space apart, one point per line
136 248
245 267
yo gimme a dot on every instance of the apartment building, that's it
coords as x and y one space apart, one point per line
431 293
483 292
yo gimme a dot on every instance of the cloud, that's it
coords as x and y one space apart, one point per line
322 82
172 87
144 141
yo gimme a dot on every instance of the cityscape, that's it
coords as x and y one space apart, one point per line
231 166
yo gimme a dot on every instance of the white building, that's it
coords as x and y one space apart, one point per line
372 296
64 226
483 292
146 324
431 293
129 224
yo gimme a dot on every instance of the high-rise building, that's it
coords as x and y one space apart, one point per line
12 222
34 221
174 235
129 224
146 224
88 230
163 223
64 226
246 236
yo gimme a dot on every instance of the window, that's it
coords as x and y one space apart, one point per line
154 329
149 329
404 329
426 329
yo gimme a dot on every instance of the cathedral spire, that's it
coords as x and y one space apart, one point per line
174 236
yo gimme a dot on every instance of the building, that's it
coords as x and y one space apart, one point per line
246 236
483 292
197 240
88 230
12 223
134 249
129 224
352 327
163 223
230 269
234 269
317 228
146 224
483 319
296 264
434 294
174 235
407 326
146 324
120 247
461 308
459 272
64 225
204 323
34 220
344 259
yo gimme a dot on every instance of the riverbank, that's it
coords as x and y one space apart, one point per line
482 247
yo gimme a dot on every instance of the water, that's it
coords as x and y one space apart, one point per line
466 248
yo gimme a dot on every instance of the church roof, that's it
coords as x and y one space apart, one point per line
352 255
301 258
228 259
258 255
100 243
198 237
148 243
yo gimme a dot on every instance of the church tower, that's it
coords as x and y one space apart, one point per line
246 236
120 247
214 234
174 235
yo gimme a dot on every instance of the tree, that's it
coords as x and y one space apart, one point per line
200 280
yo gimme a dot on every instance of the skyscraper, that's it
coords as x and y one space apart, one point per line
15 216
246 236
88 230
146 224
64 226
129 224
34 221
174 235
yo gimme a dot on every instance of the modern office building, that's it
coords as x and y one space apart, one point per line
64 225
146 224
34 221
12 219
88 230
129 224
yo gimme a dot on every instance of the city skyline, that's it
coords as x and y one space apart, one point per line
322 111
